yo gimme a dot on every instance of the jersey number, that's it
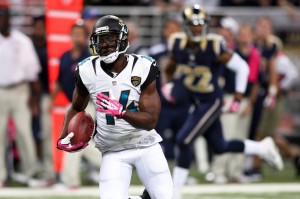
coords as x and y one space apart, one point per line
110 120
197 79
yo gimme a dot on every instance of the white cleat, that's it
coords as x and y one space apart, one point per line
272 156
134 197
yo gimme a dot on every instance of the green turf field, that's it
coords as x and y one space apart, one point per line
283 181
204 196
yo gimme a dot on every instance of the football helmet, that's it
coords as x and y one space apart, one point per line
108 25
195 16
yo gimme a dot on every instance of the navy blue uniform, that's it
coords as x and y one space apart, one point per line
267 51
199 70
67 71
172 116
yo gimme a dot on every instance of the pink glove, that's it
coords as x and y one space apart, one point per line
109 106
270 102
166 91
65 144
232 107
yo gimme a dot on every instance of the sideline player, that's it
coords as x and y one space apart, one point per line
125 127
200 56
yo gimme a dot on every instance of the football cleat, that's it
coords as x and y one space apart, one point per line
272 156
134 197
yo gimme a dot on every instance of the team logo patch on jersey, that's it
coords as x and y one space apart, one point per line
135 80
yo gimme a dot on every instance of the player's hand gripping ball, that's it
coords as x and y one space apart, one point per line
82 126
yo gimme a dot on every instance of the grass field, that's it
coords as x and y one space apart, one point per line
275 185
253 191
205 196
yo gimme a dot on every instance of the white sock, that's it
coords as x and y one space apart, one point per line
253 148
180 176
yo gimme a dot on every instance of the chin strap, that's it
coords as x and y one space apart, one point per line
112 56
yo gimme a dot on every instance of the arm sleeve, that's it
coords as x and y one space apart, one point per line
241 69
153 74
78 81
287 70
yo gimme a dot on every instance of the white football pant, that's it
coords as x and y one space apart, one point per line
151 166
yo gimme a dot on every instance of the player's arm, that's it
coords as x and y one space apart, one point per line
80 100
149 109
235 63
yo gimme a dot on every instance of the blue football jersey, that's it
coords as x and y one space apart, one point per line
160 53
198 68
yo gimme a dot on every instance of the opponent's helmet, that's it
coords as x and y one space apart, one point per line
195 16
109 24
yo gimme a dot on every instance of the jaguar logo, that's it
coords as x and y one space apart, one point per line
135 80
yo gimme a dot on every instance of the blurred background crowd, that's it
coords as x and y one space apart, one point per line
27 99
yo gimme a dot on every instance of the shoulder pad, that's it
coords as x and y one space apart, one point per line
181 36
86 69
218 42
86 62
212 36
147 60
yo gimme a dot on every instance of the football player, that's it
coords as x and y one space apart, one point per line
199 57
123 89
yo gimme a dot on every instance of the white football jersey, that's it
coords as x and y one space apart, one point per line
117 134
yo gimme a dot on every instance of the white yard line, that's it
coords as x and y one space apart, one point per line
136 190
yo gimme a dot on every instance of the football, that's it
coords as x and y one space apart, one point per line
83 127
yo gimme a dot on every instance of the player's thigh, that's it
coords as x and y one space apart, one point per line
199 121
115 175
153 171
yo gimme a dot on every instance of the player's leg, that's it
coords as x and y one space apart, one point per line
115 175
153 171
266 148
196 124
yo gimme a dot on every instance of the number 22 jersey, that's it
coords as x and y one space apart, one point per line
198 68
